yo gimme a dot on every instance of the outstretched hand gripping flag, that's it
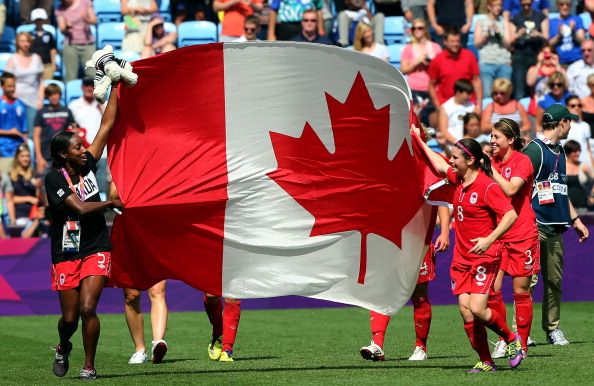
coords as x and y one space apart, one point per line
269 169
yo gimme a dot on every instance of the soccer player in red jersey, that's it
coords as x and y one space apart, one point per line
225 322
420 299
513 171
483 214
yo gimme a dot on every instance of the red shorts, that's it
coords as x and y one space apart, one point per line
521 258
427 271
475 279
68 274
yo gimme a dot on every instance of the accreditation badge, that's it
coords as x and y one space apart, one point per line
71 236
544 190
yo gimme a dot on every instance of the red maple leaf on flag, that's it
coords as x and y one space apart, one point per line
357 187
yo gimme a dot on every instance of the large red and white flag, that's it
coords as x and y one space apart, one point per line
269 169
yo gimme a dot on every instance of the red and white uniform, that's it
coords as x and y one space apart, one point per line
521 254
427 271
477 209
67 275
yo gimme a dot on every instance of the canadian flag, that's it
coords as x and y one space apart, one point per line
253 170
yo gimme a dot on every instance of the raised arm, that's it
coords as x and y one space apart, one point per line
440 164
107 121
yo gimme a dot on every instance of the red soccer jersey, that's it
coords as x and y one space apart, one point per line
519 165
446 70
477 210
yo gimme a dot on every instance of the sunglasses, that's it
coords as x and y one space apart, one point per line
421 28
248 29
557 85
573 106
309 20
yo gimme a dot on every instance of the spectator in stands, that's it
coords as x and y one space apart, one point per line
472 127
284 18
589 7
5 188
44 43
557 83
452 111
2 23
235 12
13 122
309 29
357 11
579 177
364 42
328 19
511 8
414 9
26 6
566 34
27 69
578 72
24 204
538 75
157 40
580 130
450 65
529 31
503 106
137 14
75 18
50 120
492 38
87 113
448 14
251 28
187 10
414 62
588 103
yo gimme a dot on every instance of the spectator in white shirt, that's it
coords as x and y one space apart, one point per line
251 28
580 131
577 72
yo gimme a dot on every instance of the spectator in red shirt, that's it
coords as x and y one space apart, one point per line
452 64
235 13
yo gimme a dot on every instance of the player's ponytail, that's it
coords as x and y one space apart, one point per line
471 149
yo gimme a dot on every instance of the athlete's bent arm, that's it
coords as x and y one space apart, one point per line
483 243
510 187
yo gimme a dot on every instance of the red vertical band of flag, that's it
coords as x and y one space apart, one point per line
182 119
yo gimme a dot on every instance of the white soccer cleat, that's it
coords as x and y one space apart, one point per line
556 337
530 342
138 358
373 352
500 350
418 355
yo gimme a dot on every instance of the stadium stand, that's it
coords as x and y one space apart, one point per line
73 90
395 53
7 43
108 11
394 30
196 32
110 33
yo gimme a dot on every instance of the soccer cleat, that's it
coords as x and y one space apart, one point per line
215 348
138 358
159 350
515 353
87 374
530 342
418 355
556 338
482 367
373 352
500 350
61 360
226 356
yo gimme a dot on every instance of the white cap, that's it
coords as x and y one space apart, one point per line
38 13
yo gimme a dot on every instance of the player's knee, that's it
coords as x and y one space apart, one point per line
132 298
478 310
87 311
211 299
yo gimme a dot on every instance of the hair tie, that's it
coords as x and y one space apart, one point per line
464 149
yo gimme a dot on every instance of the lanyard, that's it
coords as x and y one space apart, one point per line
81 185
548 142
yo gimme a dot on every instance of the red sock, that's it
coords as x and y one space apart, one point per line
498 325
379 325
214 311
496 303
231 315
481 344
524 317
422 318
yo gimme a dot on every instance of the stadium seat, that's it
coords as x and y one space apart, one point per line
59 70
4 56
108 11
129 56
7 43
60 38
525 102
394 29
586 19
170 27
30 27
73 90
110 33
196 32
62 87
395 54
165 9
553 15
486 102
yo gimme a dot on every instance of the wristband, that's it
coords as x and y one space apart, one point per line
573 220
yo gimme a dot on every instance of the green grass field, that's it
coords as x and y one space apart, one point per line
297 347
